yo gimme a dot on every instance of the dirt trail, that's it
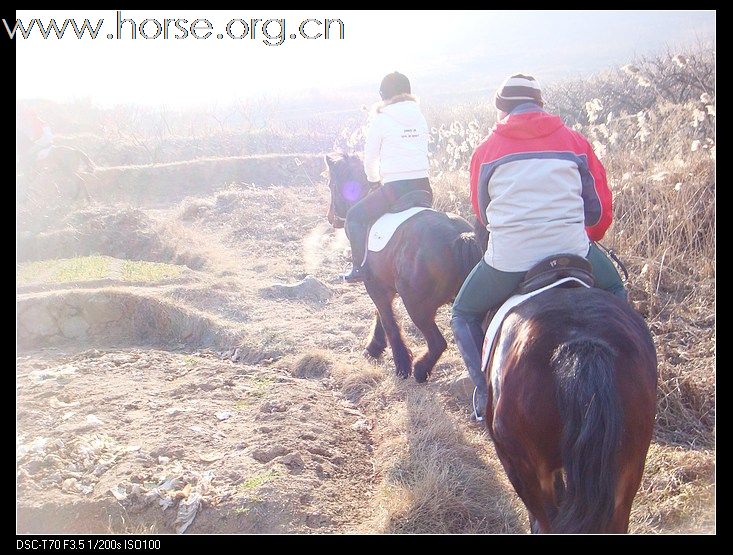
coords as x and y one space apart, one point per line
232 397
127 435
267 452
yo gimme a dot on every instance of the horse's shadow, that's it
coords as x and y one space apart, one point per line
452 481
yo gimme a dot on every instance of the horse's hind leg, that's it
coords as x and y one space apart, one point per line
628 484
530 470
383 298
530 484
377 339
423 315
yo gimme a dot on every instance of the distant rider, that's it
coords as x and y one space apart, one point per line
396 152
34 135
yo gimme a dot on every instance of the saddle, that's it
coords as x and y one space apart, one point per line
419 197
575 270
381 231
554 268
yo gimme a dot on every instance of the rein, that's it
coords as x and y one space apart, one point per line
373 185
616 259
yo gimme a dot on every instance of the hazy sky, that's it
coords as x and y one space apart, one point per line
434 46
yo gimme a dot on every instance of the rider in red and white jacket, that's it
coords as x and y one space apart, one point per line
540 190
532 181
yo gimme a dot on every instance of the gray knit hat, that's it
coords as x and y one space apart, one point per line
516 90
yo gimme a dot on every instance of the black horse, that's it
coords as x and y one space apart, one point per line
425 262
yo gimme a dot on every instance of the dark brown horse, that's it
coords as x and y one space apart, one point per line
425 263
572 406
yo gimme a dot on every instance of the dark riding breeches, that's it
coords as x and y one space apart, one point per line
365 212
487 288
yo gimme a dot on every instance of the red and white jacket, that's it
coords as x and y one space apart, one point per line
539 188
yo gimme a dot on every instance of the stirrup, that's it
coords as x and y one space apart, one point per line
475 416
357 274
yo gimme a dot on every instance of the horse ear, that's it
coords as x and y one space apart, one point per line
330 160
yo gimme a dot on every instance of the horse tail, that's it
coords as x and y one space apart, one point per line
589 407
467 253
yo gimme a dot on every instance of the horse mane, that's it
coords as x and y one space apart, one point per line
344 165
343 157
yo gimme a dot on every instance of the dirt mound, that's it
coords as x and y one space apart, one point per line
308 289
114 316
251 212
122 233
170 442
271 227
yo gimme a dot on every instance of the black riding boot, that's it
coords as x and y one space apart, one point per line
469 339
357 234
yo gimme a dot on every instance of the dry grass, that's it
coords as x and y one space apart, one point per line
176 180
314 364
666 234
677 493
451 193
438 479
357 384
434 475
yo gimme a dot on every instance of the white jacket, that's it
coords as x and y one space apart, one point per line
397 142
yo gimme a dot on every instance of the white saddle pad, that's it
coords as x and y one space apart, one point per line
498 320
383 229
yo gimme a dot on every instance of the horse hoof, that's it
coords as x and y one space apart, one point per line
421 371
367 354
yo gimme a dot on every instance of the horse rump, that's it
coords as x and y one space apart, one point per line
467 253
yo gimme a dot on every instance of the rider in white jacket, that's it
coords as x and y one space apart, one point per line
396 144
395 153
